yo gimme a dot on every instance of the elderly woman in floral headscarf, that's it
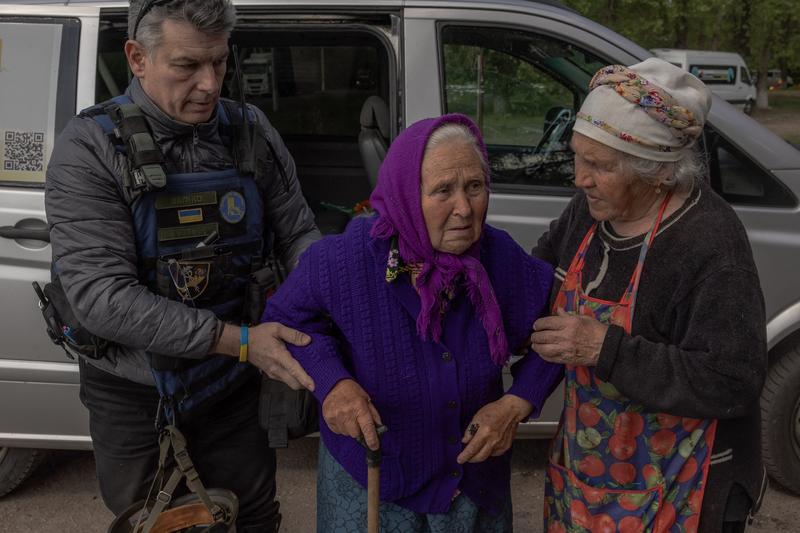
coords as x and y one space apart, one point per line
658 317
412 315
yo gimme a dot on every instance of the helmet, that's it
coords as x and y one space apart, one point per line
187 514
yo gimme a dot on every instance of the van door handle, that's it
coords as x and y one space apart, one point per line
10 232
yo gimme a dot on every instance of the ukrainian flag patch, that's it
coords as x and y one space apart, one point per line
187 216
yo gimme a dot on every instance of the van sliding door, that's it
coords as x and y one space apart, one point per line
39 82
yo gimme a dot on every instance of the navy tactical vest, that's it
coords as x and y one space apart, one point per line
198 238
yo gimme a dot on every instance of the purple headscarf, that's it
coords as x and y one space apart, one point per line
397 199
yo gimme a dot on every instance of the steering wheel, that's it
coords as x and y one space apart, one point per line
554 132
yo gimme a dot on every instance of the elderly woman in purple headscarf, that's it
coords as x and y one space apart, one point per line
413 314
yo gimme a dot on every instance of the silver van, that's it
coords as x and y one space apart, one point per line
346 76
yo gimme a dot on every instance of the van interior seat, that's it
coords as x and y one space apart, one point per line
374 135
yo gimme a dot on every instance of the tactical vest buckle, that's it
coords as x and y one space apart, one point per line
149 177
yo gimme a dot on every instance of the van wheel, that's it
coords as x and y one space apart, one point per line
780 424
16 464
748 107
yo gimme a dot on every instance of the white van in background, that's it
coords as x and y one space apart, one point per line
257 73
725 73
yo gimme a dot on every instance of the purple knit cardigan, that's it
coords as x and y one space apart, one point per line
364 328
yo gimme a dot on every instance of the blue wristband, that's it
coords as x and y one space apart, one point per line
244 343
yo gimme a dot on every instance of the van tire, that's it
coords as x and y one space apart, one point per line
748 107
16 464
780 420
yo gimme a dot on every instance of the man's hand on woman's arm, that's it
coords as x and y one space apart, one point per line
267 351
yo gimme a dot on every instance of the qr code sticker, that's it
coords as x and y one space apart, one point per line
24 151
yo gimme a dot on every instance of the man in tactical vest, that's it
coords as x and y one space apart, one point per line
163 205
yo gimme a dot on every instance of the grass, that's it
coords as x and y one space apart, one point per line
785 100
794 139
783 115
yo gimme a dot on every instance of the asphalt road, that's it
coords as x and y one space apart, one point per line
62 495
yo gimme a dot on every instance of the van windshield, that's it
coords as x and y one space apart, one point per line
744 75
715 74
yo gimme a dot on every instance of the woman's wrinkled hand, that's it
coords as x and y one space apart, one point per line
348 410
568 339
493 428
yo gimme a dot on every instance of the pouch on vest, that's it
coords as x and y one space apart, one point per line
286 413
263 284
63 327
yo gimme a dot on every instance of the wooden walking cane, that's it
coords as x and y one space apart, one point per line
373 482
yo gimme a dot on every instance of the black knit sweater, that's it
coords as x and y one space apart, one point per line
698 342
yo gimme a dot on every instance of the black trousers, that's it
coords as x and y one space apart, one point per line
225 442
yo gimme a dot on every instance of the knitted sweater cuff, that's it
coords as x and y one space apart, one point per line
608 352
537 384
326 374
535 396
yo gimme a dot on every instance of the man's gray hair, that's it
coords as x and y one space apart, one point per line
675 175
211 17
456 133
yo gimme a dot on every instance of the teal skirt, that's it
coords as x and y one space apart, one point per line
342 508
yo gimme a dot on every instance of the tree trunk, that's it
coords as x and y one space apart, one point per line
719 27
682 24
610 15
762 97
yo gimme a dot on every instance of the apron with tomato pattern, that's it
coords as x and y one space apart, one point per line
614 465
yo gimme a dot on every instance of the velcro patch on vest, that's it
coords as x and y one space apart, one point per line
199 231
190 278
232 207
189 216
191 199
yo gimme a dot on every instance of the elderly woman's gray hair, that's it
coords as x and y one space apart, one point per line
451 132
677 175
211 17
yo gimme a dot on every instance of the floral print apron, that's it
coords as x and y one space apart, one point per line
614 465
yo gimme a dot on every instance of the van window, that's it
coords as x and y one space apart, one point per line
715 74
739 179
744 75
38 76
311 82
523 90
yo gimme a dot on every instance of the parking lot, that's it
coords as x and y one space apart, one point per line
783 117
62 496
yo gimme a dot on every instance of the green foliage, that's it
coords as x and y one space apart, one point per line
765 32
513 85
